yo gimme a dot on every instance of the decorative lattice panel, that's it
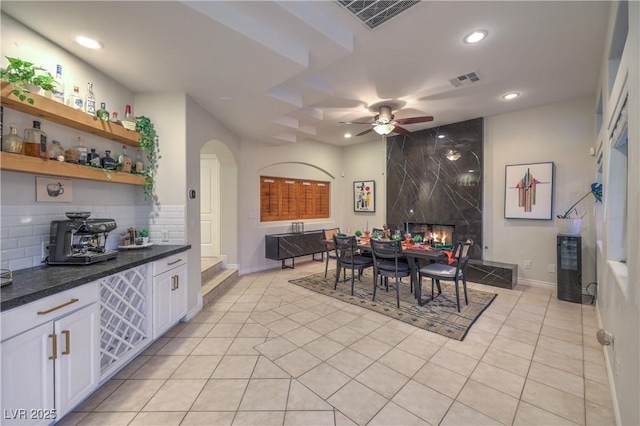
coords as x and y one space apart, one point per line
123 321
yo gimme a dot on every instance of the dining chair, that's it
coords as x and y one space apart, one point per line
442 272
347 257
330 251
388 263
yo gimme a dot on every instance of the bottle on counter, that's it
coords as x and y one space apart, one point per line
11 142
102 113
35 141
93 158
58 90
75 100
90 100
139 166
128 122
107 162
124 161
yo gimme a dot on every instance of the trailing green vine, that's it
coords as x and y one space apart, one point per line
148 139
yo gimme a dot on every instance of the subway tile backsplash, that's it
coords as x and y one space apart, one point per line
24 229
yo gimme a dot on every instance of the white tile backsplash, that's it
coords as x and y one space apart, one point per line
23 229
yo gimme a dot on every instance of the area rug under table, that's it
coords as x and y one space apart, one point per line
438 316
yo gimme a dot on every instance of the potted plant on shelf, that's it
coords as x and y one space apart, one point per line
568 223
25 78
147 140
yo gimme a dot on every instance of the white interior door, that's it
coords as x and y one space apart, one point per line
209 205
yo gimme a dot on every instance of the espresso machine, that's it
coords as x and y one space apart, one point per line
80 240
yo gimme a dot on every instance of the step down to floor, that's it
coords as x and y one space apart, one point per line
209 267
215 286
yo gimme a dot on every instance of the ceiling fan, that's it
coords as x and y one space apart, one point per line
384 123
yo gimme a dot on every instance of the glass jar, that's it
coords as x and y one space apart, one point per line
12 142
55 150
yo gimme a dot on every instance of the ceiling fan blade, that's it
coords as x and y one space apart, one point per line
355 122
401 130
365 132
412 120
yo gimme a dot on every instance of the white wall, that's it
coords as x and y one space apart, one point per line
25 223
365 161
562 133
307 160
619 296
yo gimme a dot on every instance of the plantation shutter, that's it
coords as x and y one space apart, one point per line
291 199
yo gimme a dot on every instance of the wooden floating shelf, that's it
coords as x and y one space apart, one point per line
26 164
68 116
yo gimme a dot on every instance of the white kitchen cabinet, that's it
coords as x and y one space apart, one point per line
169 292
54 364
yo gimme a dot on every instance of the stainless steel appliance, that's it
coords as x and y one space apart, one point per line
80 240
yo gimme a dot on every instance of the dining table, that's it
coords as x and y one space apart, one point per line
414 253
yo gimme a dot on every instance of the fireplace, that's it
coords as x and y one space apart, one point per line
438 235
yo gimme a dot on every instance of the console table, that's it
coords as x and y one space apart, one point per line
291 245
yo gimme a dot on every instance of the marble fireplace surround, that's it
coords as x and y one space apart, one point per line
425 187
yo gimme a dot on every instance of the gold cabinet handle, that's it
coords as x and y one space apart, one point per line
177 282
54 345
58 307
173 283
67 339
174 262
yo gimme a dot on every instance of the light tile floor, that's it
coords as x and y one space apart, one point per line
268 352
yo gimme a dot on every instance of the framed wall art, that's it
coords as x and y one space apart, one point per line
528 192
364 196
54 190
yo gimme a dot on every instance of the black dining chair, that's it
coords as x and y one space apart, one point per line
347 257
329 251
456 273
388 263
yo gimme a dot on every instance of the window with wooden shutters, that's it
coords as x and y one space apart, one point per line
289 199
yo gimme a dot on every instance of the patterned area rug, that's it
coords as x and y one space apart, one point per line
438 316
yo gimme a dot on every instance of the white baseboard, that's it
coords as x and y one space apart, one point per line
610 375
232 266
224 258
193 311
254 269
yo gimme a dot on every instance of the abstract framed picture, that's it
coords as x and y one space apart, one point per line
528 192
364 196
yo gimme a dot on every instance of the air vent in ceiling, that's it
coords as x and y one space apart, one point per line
465 79
375 12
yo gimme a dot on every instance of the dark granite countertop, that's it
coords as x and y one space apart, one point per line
35 283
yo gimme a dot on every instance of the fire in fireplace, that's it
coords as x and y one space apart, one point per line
438 235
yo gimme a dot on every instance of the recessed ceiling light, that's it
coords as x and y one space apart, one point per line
441 136
88 42
475 36
510 96
347 135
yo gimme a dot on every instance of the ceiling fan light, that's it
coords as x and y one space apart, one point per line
384 129
452 155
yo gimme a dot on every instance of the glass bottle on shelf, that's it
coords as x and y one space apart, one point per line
102 113
124 161
139 164
108 162
58 90
35 141
128 122
93 158
90 100
12 142
82 151
114 118
55 150
75 100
